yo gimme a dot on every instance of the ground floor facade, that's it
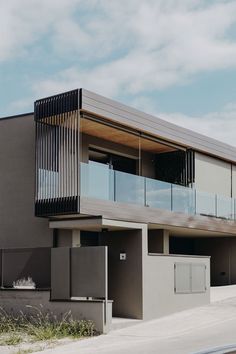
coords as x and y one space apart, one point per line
108 267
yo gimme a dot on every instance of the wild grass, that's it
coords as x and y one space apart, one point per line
40 325
24 282
27 351
10 339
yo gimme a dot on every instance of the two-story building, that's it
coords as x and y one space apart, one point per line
85 172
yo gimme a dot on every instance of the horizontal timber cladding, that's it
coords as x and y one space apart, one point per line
57 154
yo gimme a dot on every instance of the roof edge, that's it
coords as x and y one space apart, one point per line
17 116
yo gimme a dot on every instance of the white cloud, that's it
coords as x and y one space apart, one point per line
218 125
22 105
131 46
23 23
126 47
143 46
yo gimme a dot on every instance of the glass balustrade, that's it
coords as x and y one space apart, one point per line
99 181
205 203
129 188
183 199
224 207
158 194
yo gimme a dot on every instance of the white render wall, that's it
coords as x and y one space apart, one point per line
213 175
160 298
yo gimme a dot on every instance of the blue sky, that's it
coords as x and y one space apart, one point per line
173 58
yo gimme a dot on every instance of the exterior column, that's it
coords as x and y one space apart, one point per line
76 238
166 241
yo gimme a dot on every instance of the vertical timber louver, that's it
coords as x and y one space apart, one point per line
57 154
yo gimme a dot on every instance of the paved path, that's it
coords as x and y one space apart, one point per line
219 293
186 332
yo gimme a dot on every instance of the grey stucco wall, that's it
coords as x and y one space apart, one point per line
64 238
18 225
27 262
125 277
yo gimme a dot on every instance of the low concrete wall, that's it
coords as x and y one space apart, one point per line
159 296
15 301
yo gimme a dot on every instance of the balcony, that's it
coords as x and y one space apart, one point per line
99 182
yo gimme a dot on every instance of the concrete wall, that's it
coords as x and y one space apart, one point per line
89 310
125 277
18 225
212 175
60 273
88 278
160 298
142 286
73 274
64 238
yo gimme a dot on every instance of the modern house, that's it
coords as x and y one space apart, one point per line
113 212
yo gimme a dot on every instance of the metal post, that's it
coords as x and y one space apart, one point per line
106 286
145 192
216 201
171 197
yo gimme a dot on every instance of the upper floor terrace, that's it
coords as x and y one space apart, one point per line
82 154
